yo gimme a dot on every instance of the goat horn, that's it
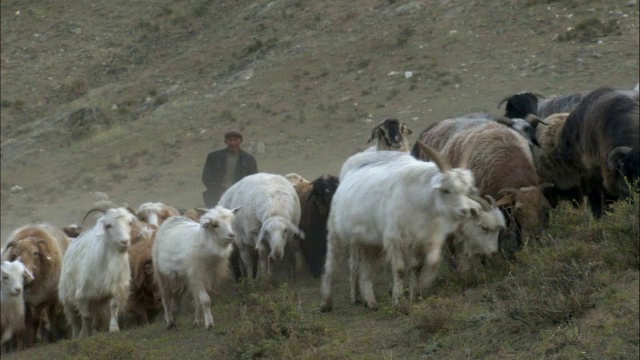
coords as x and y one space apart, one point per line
509 190
539 95
440 161
484 203
491 200
374 131
545 186
507 98
534 120
94 209
504 120
616 154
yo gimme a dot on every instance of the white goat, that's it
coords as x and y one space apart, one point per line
14 276
188 255
95 270
268 221
398 207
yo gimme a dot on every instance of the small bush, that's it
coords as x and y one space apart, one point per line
18 104
228 115
620 230
271 326
552 285
78 87
404 34
590 29
434 315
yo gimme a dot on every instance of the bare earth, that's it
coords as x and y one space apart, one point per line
162 80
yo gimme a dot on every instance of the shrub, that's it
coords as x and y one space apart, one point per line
271 326
434 315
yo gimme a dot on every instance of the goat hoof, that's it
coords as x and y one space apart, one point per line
373 306
171 325
325 307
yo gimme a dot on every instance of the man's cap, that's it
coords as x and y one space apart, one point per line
232 133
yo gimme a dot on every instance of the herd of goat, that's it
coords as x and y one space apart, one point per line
475 184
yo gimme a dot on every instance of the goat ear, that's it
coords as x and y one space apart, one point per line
506 200
475 213
8 250
141 273
235 211
375 133
615 156
27 276
43 246
296 230
201 211
406 129
261 234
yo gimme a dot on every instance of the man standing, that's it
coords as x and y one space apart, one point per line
225 167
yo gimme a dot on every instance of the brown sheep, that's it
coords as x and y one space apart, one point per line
41 248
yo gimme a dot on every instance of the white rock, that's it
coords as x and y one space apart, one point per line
15 189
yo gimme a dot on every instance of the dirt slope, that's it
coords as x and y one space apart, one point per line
127 97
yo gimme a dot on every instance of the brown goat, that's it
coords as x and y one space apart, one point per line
502 164
41 248
144 300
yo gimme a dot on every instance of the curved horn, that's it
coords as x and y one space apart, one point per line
616 154
509 190
7 248
484 203
440 161
94 209
534 120
504 120
374 133
545 186
507 98
131 211
491 200
539 95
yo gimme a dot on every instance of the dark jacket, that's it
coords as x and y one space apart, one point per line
213 173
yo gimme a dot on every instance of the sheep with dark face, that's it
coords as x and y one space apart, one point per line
391 134
521 105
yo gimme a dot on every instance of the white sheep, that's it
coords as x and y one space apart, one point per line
95 271
193 256
14 276
268 221
410 219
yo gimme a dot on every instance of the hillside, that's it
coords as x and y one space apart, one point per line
128 97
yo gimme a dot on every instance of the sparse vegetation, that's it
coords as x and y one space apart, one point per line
590 29
331 69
